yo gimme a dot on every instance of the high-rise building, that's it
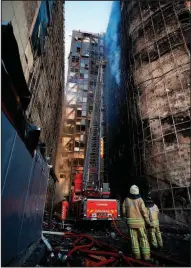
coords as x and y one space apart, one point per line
38 27
149 109
86 50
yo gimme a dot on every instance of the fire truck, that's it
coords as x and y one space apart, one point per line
91 195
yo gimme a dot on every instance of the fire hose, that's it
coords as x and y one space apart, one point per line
176 262
117 229
114 254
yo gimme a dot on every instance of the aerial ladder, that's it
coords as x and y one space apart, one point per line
91 194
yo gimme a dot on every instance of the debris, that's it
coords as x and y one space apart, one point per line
187 237
113 235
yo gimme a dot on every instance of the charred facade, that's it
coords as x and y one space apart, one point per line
153 102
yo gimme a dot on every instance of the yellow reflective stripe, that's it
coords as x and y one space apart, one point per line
134 220
156 221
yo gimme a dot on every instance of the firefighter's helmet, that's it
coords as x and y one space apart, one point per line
149 199
134 189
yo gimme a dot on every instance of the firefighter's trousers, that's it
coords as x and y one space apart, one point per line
139 241
155 237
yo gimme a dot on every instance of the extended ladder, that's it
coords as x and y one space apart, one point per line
91 175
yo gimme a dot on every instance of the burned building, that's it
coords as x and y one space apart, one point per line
85 51
39 30
153 103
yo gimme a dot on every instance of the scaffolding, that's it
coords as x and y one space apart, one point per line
154 107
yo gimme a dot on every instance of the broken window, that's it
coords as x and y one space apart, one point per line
78 128
81 76
83 128
86 66
79 113
78 45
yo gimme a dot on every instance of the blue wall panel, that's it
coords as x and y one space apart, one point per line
7 140
23 195
28 229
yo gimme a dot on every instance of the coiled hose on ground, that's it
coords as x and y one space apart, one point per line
106 251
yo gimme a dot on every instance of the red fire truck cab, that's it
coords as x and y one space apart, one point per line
101 209
90 205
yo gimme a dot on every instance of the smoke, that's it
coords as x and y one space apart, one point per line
112 45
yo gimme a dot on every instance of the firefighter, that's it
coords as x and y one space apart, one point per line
154 232
64 210
135 211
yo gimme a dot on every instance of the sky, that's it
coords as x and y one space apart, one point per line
90 16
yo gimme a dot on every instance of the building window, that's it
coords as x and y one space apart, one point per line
81 86
85 76
84 106
79 113
83 113
85 94
81 76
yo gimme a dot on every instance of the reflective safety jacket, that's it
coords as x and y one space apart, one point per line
153 213
135 211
